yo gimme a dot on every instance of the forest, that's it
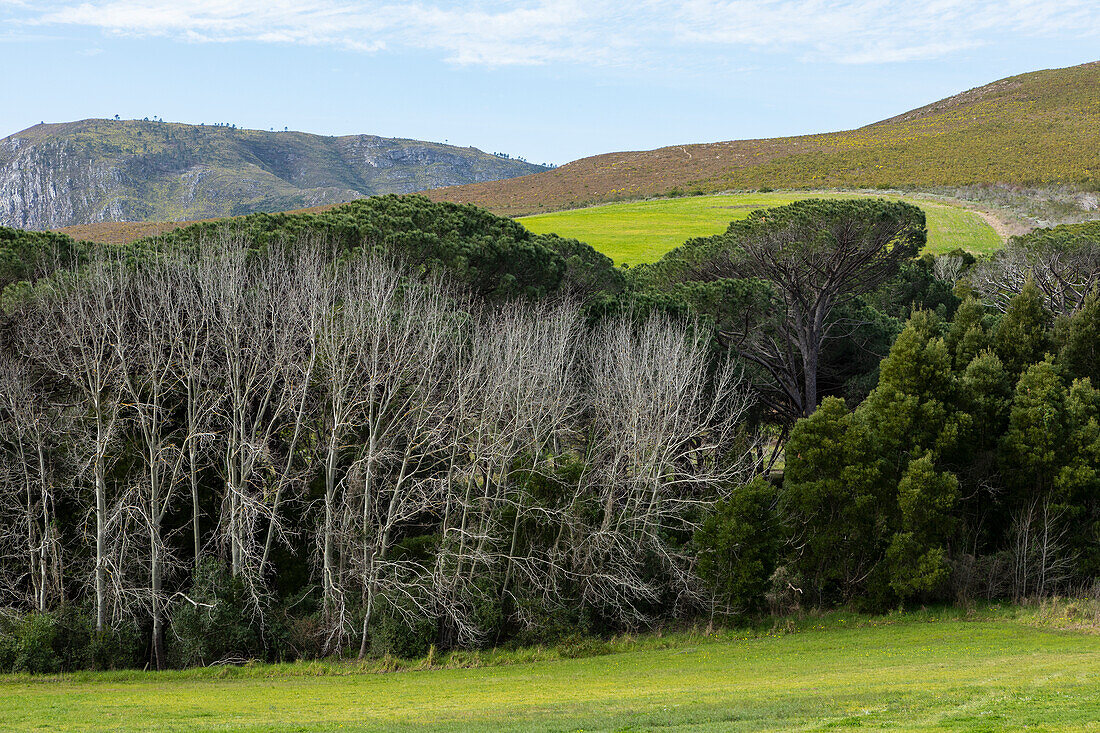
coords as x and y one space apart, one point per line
400 424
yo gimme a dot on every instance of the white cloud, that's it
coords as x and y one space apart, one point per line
594 32
881 31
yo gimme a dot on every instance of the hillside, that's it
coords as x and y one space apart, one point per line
56 175
1041 127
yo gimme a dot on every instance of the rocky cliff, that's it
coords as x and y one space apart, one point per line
56 175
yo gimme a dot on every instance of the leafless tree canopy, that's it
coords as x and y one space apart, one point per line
1065 272
429 453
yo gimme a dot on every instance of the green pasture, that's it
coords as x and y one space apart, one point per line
896 673
642 231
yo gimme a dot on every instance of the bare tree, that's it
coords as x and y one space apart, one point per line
188 329
31 430
517 406
147 311
251 313
65 331
671 441
1065 272
949 268
1041 562
407 332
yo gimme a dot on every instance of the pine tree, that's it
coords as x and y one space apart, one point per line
834 497
1033 448
967 336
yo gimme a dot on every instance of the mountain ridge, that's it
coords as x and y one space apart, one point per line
54 175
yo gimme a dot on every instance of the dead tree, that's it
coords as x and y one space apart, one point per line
188 330
407 332
249 309
65 329
32 430
670 440
148 311
1064 271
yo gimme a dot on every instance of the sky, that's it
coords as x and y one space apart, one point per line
549 80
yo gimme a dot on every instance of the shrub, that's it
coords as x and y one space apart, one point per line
34 645
217 622
115 648
8 643
738 547
394 636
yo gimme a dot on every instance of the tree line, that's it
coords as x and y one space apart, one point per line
399 423
971 468
216 432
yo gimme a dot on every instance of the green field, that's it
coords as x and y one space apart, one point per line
642 231
908 673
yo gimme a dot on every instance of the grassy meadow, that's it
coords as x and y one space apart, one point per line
922 671
642 231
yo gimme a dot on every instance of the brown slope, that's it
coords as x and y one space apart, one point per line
1039 127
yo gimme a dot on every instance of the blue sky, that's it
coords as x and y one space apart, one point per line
552 80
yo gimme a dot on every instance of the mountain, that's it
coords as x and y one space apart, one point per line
1041 127
55 175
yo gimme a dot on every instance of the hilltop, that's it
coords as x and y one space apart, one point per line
56 175
1040 127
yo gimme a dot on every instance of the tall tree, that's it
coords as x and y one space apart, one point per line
811 257
1021 338
66 329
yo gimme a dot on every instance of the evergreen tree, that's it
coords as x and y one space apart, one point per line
1079 337
1020 338
1033 448
967 336
917 556
1079 478
738 547
987 397
833 495
912 410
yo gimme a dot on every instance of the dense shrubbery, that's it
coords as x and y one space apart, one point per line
970 471
493 256
28 255
65 640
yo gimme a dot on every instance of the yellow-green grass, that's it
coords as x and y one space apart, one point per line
642 231
907 673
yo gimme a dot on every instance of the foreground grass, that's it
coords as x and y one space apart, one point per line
912 672
642 231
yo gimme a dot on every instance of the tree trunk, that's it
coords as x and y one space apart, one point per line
100 529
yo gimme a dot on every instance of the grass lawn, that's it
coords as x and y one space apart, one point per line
642 231
897 673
